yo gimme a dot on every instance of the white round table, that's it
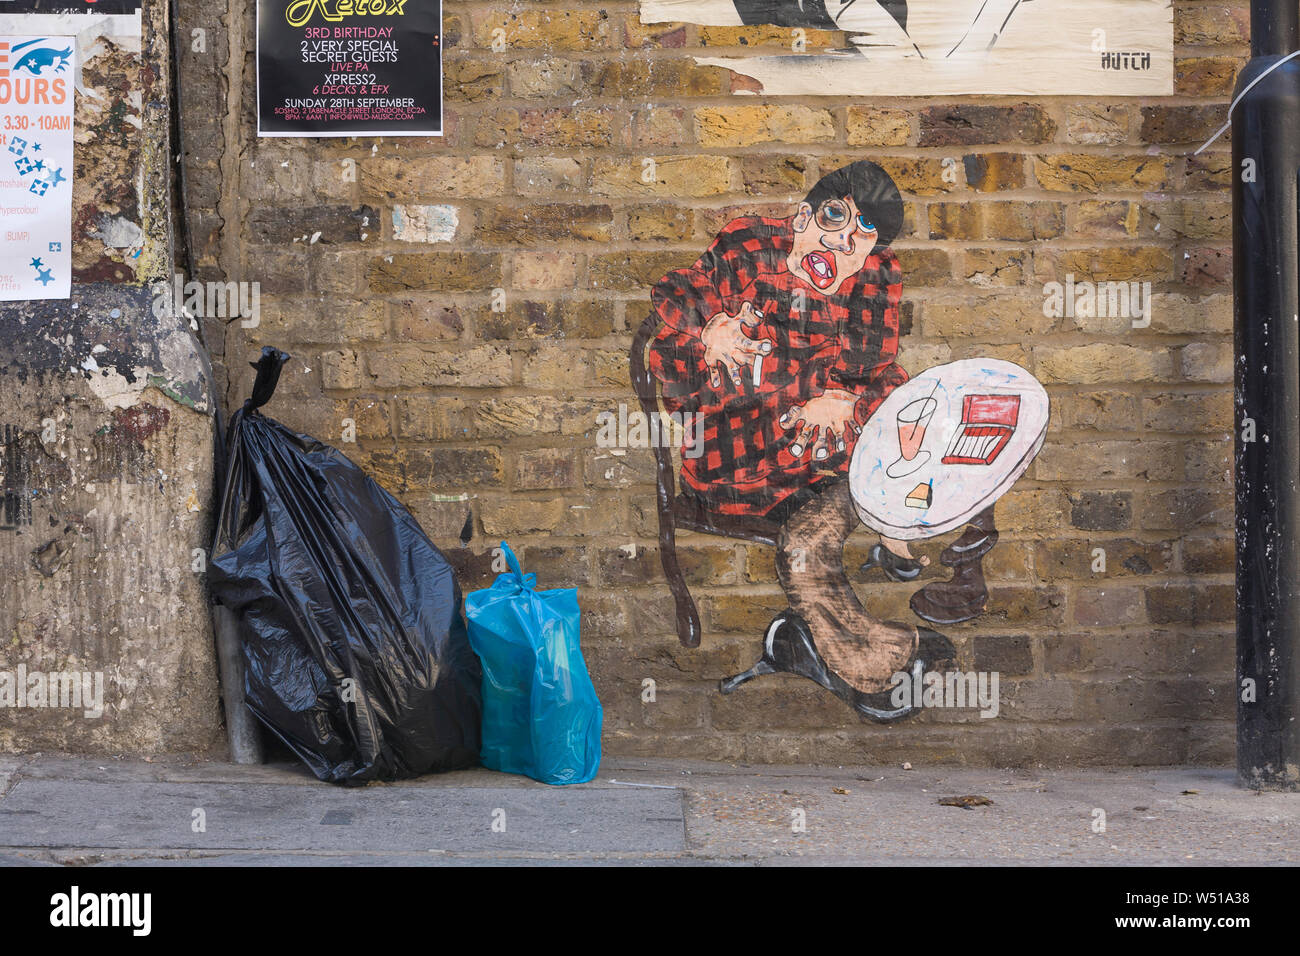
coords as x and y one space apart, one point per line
957 491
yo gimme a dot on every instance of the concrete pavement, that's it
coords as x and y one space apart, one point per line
69 810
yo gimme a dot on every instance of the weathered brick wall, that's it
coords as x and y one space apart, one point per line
542 165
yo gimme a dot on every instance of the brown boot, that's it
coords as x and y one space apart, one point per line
965 596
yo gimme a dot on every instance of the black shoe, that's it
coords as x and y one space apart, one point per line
934 650
788 648
965 596
895 568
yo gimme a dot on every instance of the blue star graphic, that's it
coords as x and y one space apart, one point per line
58 177
40 164
45 278
36 147
36 263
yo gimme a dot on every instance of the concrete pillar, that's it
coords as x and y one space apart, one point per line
106 435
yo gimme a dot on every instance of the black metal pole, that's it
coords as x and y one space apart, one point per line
1266 313
1273 27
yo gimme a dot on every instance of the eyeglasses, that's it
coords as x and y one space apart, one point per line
834 214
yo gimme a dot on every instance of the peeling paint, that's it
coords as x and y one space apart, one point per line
112 337
425 223
141 422
115 390
117 232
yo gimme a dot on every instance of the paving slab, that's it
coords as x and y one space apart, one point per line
76 813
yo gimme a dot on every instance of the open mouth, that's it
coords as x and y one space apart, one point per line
820 267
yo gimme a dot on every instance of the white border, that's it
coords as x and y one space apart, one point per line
257 81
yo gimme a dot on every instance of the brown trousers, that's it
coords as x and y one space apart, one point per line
865 652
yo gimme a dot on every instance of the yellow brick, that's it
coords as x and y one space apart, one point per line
1087 172
1102 362
545 29
737 126
670 176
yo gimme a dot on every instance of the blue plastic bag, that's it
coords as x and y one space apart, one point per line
541 716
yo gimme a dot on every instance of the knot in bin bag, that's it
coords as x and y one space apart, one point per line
541 716
354 646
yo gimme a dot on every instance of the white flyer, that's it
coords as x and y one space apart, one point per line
36 90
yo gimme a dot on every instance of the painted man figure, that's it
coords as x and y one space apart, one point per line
783 337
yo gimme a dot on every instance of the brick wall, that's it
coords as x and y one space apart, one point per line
542 163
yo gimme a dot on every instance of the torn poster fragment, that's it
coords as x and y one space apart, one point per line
942 47
36 96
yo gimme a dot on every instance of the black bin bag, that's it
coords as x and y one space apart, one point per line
354 645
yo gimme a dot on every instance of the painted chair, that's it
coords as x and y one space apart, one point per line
681 511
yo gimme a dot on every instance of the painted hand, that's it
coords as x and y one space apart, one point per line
828 418
729 345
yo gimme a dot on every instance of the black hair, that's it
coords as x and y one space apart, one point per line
806 13
809 13
873 192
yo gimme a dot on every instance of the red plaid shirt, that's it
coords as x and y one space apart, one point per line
846 339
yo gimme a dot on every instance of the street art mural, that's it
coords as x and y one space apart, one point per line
927 47
779 346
